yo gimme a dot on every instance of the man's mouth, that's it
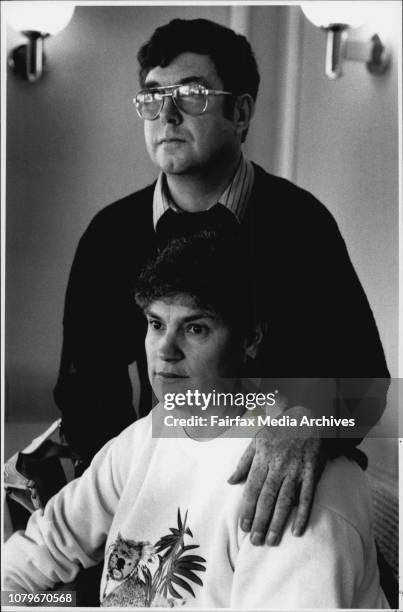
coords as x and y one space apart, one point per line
171 140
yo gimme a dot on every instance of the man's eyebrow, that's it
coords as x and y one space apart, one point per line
189 79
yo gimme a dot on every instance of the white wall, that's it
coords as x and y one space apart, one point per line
347 153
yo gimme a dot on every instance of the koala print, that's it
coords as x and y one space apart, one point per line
124 556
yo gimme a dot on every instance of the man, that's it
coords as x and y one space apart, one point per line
159 508
199 84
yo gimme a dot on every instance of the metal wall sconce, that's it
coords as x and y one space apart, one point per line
37 21
336 18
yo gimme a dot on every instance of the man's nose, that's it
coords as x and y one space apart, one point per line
169 349
170 113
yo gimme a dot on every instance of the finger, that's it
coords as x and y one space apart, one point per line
244 465
256 478
284 505
304 505
265 507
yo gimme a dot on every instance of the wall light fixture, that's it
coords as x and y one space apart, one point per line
37 21
337 18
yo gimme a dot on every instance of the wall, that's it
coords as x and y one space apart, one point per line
346 152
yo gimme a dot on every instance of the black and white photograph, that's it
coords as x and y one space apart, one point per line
201 226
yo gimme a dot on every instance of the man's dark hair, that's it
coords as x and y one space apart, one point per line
212 269
231 53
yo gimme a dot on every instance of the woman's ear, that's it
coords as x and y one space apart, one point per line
254 339
243 112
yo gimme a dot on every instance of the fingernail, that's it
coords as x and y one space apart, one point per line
246 525
296 531
257 538
272 538
231 480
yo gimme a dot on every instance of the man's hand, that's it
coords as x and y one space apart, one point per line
282 470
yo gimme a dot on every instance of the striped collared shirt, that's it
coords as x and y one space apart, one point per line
235 197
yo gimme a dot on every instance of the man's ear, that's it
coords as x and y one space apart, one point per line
254 339
243 112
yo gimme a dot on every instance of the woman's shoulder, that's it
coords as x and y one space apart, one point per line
344 492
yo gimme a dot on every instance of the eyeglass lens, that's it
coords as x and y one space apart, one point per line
189 99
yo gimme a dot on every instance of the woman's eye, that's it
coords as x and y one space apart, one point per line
196 329
154 324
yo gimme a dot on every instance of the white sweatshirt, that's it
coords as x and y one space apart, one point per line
162 514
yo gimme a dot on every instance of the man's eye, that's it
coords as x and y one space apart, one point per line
196 329
193 89
149 96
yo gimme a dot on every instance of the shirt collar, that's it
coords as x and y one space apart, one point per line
235 197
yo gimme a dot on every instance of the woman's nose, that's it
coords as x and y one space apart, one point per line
169 349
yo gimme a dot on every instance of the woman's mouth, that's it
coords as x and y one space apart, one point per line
171 375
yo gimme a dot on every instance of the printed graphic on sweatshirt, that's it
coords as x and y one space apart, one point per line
140 574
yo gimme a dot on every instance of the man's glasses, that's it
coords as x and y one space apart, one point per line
191 99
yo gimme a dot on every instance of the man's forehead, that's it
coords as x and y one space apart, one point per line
184 66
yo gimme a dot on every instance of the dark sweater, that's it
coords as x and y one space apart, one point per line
319 320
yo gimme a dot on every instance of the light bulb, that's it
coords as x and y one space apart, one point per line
43 17
326 14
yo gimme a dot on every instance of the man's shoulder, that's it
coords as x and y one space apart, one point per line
126 221
134 205
276 196
277 184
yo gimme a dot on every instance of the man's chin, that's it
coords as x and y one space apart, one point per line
172 164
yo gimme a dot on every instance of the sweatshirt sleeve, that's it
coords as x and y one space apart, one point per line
70 532
321 569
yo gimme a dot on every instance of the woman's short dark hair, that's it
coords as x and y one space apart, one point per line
231 53
210 268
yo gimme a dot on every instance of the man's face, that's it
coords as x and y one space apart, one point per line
187 347
183 144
